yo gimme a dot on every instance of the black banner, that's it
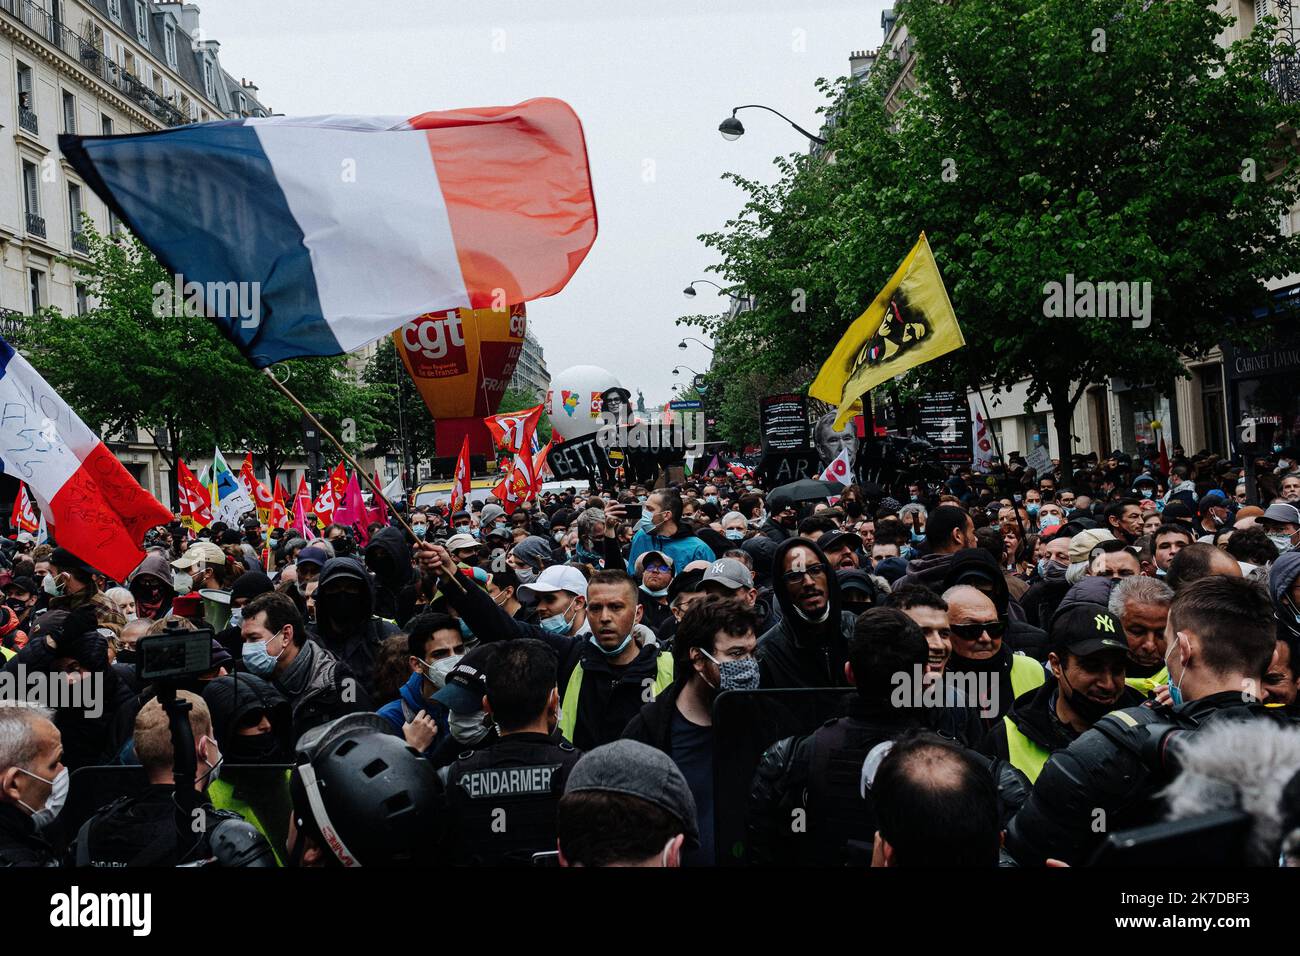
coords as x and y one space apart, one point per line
582 458
783 422
781 468
945 423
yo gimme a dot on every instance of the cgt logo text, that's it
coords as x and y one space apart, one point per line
83 910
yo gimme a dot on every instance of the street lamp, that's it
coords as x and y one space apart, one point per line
691 338
732 129
678 370
689 291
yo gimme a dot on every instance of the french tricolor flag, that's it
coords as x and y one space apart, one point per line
348 227
98 511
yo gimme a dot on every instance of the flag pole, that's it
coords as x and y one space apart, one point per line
338 444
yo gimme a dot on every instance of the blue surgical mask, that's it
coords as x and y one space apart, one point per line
662 592
1042 567
420 530
645 524
557 623
734 534
1147 493
612 652
462 529
257 659
1032 509
1175 690
1047 520
712 498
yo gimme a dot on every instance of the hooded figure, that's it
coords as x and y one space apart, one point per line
803 651
345 621
978 568
151 586
388 556
1281 578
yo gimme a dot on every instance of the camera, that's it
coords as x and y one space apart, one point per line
174 655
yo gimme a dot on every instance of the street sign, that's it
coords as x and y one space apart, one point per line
685 406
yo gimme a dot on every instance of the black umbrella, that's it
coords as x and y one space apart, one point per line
806 489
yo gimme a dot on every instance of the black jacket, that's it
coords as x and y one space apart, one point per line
778 533
142 831
975 565
653 723
610 696
1107 769
361 634
20 843
1033 714
799 653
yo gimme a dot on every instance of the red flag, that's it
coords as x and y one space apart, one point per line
540 469
257 492
517 484
196 501
24 518
1163 462
513 431
352 511
331 496
279 510
460 482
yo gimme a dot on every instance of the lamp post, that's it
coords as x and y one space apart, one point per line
732 129
689 291
678 370
690 338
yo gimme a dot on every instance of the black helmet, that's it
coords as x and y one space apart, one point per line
361 792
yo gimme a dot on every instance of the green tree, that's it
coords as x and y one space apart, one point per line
389 385
517 399
1108 140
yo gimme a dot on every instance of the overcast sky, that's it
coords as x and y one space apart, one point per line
650 88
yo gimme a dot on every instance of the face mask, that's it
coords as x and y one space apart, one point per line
214 769
736 675
557 623
915 498
462 529
612 651
646 523
468 728
236 616
1175 690
711 498
258 748
662 592
51 586
918 537
1042 567
464 630
1047 520
734 534
559 536
53 803
420 530
257 659
525 575
1033 510
18 607
436 673
130 616
1090 710
1281 541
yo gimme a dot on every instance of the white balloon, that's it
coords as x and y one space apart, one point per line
573 402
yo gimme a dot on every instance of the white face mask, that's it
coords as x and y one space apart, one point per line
436 673
53 803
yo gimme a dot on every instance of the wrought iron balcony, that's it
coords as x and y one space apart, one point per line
80 243
28 121
36 225
1284 76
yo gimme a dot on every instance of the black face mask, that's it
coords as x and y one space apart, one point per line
256 749
1088 709
341 612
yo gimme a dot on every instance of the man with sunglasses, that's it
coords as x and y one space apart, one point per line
809 645
982 664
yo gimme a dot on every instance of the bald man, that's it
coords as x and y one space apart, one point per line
1198 561
981 664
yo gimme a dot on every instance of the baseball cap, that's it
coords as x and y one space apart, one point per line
1081 544
1281 513
558 577
729 573
313 555
1210 501
1086 628
467 682
1177 511
201 552
25 537
637 770
23 584
459 542
838 539
853 579
642 559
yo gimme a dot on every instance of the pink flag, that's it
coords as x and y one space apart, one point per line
379 512
301 509
352 512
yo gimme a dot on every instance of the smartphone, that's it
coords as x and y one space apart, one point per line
632 513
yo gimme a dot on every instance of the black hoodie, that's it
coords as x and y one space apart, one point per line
392 572
800 653
977 563
360 634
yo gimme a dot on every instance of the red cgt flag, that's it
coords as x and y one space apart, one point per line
196 501
512 432
24 518
460 482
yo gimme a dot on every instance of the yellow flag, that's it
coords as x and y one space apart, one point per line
910 322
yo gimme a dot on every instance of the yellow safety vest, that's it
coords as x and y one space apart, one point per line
1025 755
222 794
1026 674
1146 685
573 690
7 653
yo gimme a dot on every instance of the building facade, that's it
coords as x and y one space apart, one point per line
531 374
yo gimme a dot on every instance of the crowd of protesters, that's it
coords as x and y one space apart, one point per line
996 659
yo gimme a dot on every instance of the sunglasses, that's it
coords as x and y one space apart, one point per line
657 568
794 577
972 632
